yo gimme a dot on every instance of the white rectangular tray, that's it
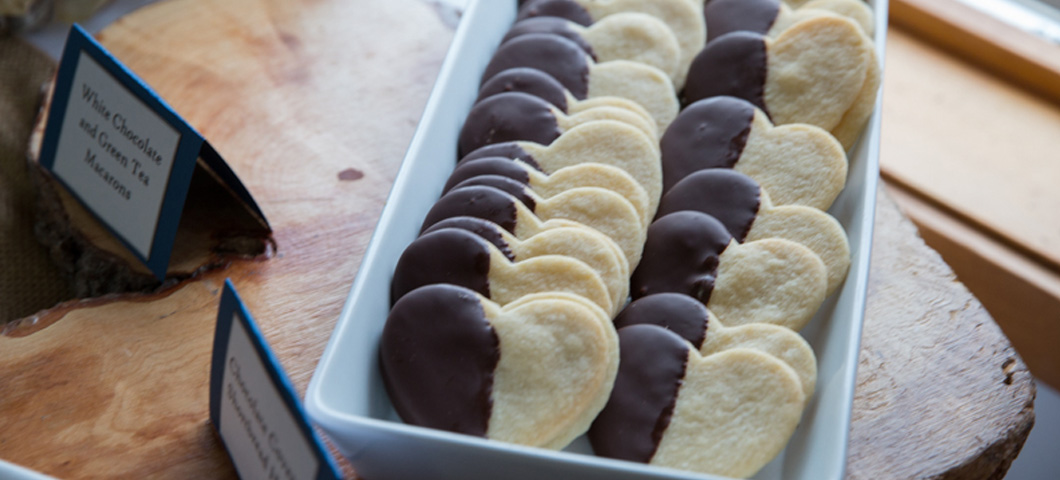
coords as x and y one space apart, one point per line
346 396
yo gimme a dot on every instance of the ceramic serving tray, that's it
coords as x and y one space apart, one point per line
346 396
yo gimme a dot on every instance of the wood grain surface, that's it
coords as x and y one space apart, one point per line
940 392
313 102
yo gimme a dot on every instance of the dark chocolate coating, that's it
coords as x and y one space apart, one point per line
676 312
506 117
437 355
681 254
555 8
506 150
477 201
563 59
489 231
710 133
452 256
502 166
725 16
516 189
732 64
526 80
651 367
554 25
727 195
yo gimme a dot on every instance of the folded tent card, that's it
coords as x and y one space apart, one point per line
133 162
253 406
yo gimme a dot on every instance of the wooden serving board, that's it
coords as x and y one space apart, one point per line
313 103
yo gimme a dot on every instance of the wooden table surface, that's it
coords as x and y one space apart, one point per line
313 103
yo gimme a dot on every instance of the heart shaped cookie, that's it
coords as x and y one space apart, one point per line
555 206
766 281
458 257
695 323
581 243
773 17
566 178
521 116
727 414
596 208
684 18
630 36
606 142
565 61
534 372
746 210
542 85
822 71
798 164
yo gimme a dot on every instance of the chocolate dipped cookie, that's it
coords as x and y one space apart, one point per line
549 185
683 17
772 17
728 413
630 36
458 257
597 208
575 241
568 63
772 281
694 322
822 71
605 142
521 116
748 213
798 164
534 372
542 85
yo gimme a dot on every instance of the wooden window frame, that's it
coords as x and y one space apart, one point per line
1018 284
992 44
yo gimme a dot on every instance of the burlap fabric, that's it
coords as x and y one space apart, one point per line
29 281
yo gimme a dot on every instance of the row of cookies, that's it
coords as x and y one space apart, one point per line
526 257
731 411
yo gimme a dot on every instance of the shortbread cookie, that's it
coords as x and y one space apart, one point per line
606 142
630 36
726 414
534 372
552 208
578 242
822 71
684 17
520 116
798 164
566 178
568 9
459 257
747 211
773 17
596 208
766 281
859 12
694 322
565 61
542 85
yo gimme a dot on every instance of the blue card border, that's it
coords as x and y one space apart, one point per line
188 149
230 309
